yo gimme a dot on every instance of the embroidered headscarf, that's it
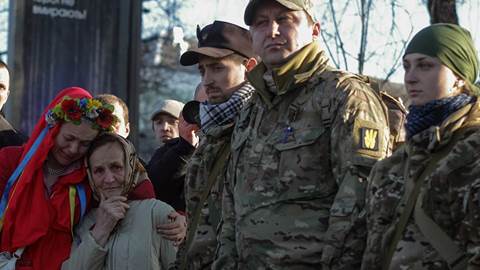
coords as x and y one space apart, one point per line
32 220
135 173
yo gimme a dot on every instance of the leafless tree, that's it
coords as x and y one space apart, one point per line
354 43
160 16
442 11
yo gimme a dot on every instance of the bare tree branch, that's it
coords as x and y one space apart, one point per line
365 6
442 11
338 36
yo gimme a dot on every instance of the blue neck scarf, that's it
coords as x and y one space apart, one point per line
434 112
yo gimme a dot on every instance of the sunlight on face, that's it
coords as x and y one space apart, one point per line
221 77
278 32
427 79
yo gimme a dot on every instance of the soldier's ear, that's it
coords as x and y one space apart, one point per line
316 30
250 63
127 128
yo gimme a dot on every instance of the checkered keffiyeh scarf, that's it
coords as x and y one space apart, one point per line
212 115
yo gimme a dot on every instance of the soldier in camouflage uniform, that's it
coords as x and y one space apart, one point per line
423 203
224 55
301 151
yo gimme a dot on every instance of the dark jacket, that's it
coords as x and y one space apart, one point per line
167 169
8 135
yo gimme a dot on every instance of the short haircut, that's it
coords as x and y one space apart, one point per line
111 99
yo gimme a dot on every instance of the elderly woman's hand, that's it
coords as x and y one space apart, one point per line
176 230
109 212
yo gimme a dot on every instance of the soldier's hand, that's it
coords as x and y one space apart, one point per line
174 231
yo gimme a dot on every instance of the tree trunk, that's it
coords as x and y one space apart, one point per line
442 11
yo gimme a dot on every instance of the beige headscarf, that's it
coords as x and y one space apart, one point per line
134 170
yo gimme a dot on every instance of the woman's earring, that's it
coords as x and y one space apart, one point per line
452 89
458 86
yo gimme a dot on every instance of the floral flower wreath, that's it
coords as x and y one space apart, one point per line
73 110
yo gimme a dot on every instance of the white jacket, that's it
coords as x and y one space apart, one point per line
134 244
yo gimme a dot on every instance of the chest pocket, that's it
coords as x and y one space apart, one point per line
302 150
298 139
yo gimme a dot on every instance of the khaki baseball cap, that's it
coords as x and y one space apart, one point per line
306 5
168 106
218 40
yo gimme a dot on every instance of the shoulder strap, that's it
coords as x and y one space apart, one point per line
446 247
413 196
14 177
327 110
73 191
82 197
212 177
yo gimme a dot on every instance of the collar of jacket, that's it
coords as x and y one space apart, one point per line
220 131
438 136
4 124
292 75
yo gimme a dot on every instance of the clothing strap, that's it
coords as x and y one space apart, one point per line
14 177
446 247
72 192
214 213
414 194
82 197
212 177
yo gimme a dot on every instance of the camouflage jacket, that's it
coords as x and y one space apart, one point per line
295 182
200 253
450 194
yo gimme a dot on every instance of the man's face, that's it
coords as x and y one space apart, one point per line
165 127
200 94
221 77
121 128
278 32
4 86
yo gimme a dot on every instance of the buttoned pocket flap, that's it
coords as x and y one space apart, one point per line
292 139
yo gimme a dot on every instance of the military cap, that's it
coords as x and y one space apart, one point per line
168 106
218 40
305 5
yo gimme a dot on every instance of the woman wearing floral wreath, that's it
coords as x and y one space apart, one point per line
43 184
121 232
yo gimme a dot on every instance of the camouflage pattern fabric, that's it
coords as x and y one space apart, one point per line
295 185
201 252
451 195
